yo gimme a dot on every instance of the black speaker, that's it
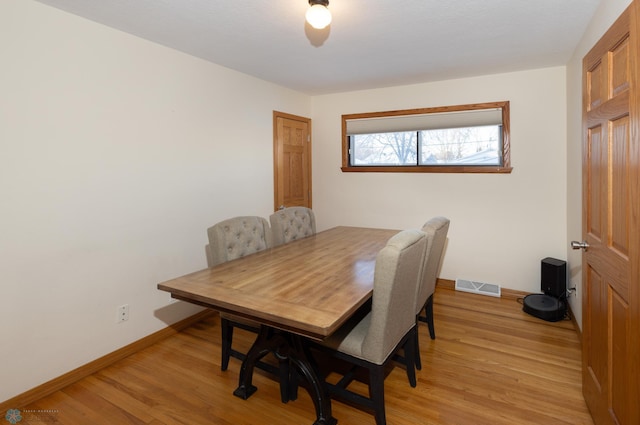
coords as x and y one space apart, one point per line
553 280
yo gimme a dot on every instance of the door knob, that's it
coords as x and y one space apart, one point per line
579 245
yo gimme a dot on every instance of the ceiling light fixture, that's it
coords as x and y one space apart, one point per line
318 14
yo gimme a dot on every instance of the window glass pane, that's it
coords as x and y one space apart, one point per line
384 148
461 146
472 138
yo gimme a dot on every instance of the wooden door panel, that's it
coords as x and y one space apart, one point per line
292 161
595 358
595 190
619 240
620 67
619 388
595 84
294 167
611 295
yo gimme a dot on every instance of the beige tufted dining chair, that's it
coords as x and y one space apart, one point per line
228 240
292 223
371 341
436 230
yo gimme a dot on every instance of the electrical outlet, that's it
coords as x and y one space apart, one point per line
122 313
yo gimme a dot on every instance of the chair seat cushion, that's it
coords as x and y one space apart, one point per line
350 337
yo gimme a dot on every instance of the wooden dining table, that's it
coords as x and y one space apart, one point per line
306 288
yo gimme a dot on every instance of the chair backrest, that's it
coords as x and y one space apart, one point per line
436 230
396 282
292 223
237 237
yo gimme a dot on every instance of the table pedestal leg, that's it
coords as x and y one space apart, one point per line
304 363
289 349
258 350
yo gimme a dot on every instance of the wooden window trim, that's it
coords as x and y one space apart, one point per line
506 142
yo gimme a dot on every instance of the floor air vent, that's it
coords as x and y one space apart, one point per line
478 287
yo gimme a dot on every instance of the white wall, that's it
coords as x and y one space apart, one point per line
114 158
607 13
116 154
502 225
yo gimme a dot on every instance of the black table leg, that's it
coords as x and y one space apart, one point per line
303 361
290 350
257 351
267 342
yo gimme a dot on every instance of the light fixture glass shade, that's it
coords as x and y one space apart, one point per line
318 16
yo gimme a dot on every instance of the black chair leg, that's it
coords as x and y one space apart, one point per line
227 337
429 313
418 360
411 356
376 392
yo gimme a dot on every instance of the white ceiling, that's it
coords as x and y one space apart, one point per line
369 44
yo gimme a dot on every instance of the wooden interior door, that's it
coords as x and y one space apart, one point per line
291 160
611 203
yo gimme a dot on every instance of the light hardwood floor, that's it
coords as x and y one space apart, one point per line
490 364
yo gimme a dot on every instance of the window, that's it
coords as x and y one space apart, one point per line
459 139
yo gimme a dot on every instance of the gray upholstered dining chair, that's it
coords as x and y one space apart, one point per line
369 340
228 240
292 223
436 230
